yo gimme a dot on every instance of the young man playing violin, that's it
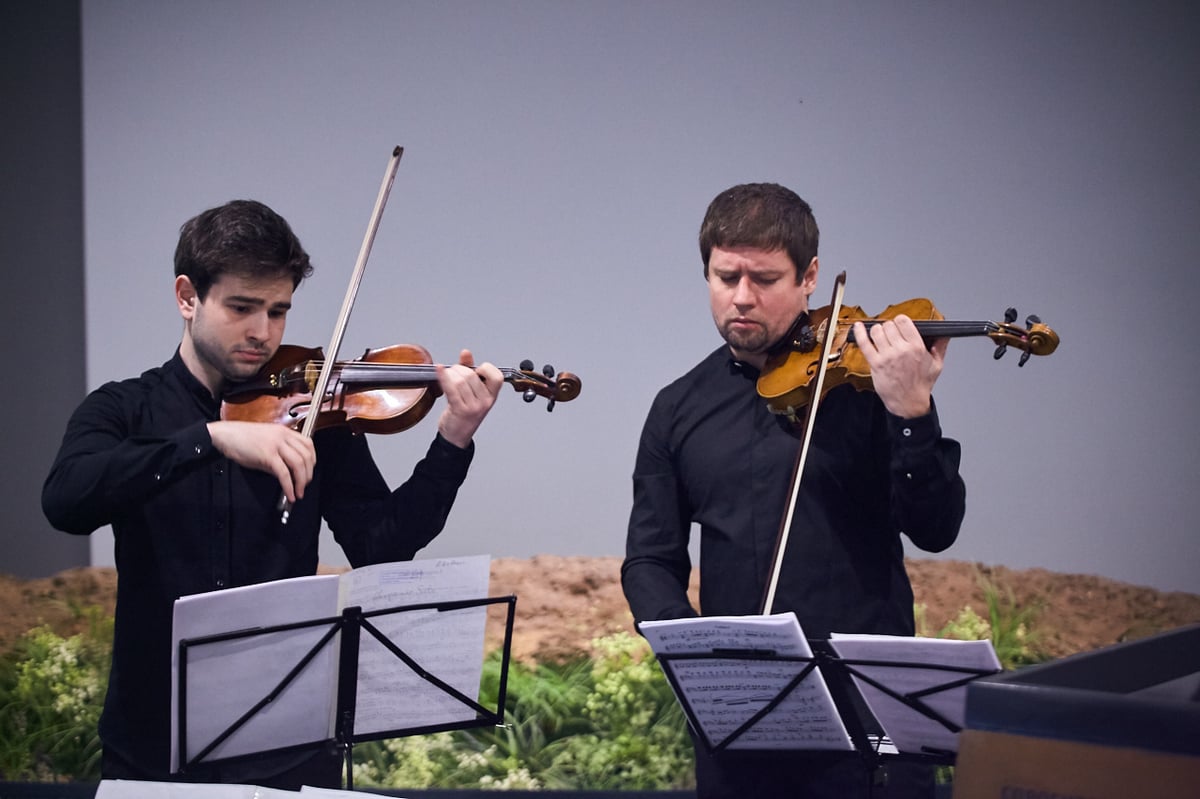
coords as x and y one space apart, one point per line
712 453
194 501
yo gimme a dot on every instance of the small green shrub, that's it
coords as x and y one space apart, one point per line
1013 635
638 739
51 693
1008 626
610 723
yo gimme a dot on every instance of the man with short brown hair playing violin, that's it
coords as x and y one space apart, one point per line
193 500
712 453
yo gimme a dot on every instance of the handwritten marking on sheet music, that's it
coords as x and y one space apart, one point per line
447 644
399 577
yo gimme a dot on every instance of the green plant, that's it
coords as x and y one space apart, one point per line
1013 635
638 738
51 693
1008 626
967 626
606 723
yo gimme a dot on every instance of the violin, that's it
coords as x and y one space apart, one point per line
387 390
788 374
819 353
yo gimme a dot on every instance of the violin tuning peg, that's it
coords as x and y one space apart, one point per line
999 353
550 405
529 395
1032 320
526 365
1024 358
1010 315
548 370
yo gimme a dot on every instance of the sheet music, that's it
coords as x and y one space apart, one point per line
448 644
138 789
227 678
724 693
911 731
309 792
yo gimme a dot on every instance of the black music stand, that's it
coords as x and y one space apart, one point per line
853 677
866 736
351 624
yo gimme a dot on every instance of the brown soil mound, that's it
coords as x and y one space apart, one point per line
565 602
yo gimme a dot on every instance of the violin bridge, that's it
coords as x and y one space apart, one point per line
312 373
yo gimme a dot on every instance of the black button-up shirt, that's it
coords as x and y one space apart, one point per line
137 455
712 453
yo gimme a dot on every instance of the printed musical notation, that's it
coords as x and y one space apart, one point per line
727 669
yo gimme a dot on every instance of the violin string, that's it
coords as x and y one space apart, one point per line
372 370
937 327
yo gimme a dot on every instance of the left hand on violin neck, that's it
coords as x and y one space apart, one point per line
903 368
470 393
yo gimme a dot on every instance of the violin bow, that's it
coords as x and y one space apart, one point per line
339 328
839 291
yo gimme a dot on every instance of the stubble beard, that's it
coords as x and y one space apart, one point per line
750 342
224 363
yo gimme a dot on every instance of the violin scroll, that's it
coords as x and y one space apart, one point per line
1033 339
562 387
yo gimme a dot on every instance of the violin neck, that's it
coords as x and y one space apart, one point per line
398 374
931 329
383 375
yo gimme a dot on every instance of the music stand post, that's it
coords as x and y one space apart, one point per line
351 623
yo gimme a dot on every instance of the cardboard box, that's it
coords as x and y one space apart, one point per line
1119 722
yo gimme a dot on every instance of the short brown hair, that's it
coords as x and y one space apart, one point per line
242 237
765 216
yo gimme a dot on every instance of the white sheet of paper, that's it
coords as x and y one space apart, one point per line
911 731
724 693
134 789
227 678
447 644
138 789
309 792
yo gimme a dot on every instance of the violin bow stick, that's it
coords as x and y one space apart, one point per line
839 291
339 328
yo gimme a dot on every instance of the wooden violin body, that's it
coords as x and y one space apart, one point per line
786 380
388 390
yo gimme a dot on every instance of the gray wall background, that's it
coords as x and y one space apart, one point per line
559 157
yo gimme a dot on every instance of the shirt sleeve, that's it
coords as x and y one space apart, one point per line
928 493
101 467
373 524
657 566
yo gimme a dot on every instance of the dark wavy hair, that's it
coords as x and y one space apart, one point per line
765 216
242 237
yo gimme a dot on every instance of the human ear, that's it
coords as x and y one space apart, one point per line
185 297
809 280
